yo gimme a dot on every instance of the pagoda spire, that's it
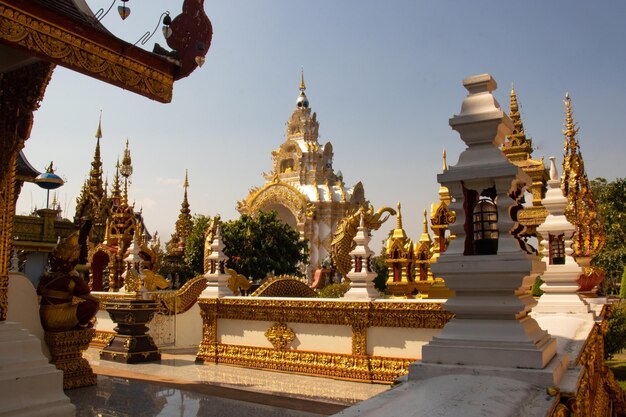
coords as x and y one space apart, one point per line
116 192
183 224
581 209
95 175
303 101
518 147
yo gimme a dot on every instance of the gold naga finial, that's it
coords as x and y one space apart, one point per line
99 130
302 85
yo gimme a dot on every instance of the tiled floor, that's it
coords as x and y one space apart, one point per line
177 386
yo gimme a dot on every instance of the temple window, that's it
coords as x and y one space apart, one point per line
485 227
557 249
287 165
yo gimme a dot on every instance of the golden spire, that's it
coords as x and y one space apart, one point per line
399 218
581 211
425 235
398 232
302 85
445 163
183 224
518 137
99 130
444 193
95 180
125 196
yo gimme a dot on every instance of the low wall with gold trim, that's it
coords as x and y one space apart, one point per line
359 340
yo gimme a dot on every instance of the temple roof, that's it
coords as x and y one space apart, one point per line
66 32
24 171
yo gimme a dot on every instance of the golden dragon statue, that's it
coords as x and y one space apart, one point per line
343 238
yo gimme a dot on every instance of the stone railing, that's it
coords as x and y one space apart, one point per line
358 340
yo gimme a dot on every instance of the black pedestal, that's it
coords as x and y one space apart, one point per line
131 344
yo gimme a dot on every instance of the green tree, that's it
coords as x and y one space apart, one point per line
622 287
194 245
380 267
263 244
611 203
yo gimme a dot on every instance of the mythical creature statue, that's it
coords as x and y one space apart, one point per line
153 281
237 282
59 287
343 239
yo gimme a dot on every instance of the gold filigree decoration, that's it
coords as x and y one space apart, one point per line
279 335
102 338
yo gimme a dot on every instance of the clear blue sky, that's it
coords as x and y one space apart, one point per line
383 77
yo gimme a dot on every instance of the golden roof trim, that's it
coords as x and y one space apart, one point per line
54 43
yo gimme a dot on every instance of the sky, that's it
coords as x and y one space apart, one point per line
383 77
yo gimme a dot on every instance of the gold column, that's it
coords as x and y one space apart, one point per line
20 93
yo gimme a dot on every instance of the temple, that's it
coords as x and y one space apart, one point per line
303 187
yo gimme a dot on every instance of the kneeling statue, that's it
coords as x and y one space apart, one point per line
58 288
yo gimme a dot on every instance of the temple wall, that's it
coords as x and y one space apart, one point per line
359 340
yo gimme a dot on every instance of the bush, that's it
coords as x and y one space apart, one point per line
615 337
535 289
334 290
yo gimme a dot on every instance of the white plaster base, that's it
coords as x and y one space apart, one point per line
549 376
560 291
502 343
29 385
457 395
561 304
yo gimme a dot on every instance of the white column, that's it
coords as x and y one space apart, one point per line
217 278
361 275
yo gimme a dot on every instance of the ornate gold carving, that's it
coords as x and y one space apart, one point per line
101 338
279 335
66 351
361 368
284 286
597 391
590 236
182 300
61 46
343 238
20 94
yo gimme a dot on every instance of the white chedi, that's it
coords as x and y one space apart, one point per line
562 271
361 275
217 278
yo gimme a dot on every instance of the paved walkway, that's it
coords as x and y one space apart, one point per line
177 386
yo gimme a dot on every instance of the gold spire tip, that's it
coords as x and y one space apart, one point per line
186 183
302 85
445 162
99 130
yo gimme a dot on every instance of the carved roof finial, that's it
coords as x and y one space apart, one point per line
445 162
99 130
399 218
127 167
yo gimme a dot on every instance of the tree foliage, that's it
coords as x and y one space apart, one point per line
263 244
611 202
615 337
194 245
622 288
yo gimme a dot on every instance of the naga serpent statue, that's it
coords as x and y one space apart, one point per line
343 238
